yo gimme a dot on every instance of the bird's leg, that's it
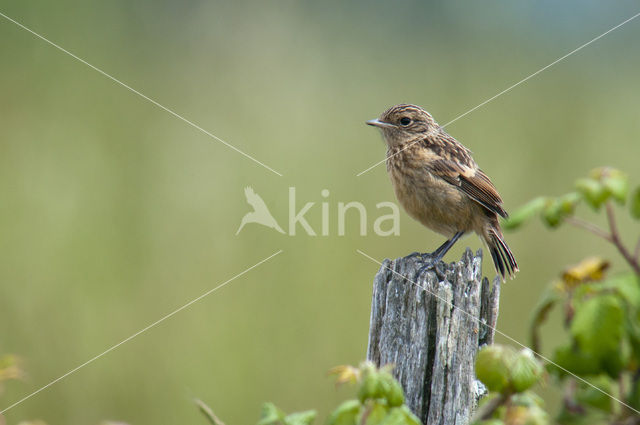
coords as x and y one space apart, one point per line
437 255
429 254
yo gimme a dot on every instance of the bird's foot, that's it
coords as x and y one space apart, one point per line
430 263
419 254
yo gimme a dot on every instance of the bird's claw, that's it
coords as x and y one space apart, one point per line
420 254
425 267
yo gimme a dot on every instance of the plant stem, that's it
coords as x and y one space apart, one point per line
489 408
366 413
583 224
615 239
208 412
636 254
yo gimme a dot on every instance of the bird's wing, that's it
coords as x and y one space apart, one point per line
472 181
254 199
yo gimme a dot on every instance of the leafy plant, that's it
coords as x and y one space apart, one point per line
509 375
380 401
601 313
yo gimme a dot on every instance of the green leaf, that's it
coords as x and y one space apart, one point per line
400 416
270 414
598 329
492 366
525 371
345 414
589 396
376 413
552 214
409 417
556 210
634 395
635 204
627 285
301 418
573 360
569 202
593 192
372 387
524 213
588 416
395 394
618 185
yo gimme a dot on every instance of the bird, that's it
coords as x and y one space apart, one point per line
260 213
439 184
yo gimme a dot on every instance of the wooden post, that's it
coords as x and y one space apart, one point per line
431 329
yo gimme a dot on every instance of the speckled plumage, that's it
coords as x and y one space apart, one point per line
439 184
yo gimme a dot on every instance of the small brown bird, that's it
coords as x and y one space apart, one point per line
439 184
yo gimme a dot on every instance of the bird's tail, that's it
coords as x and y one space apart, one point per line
503 259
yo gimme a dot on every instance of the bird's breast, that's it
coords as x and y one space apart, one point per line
427 198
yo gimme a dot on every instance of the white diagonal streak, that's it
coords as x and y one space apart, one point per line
164 108
500 333
513 86
146 328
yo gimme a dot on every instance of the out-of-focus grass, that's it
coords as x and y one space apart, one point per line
115 213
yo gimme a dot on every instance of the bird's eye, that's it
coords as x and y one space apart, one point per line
405 120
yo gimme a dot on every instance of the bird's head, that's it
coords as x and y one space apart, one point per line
403 123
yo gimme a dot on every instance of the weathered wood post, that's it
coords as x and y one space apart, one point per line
431 330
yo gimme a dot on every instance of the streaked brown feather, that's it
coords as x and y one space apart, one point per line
473 182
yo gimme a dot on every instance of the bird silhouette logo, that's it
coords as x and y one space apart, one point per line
260 213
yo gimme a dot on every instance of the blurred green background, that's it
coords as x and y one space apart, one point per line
114 213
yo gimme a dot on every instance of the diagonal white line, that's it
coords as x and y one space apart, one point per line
499 332
146 328
513 86
180 117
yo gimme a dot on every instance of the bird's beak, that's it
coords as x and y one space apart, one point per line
377 123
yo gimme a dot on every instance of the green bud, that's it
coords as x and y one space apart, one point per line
553 213
395 396
618 186
593 191
492 366
371 387
525 371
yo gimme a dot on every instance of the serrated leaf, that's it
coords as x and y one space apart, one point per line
524 213
345 414
593 191
634 205
301 418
